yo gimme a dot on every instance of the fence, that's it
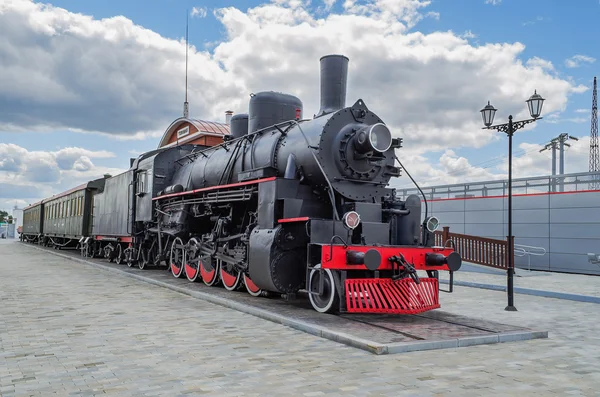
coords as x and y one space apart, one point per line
576 182
480 250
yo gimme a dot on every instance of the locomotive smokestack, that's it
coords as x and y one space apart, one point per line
334 73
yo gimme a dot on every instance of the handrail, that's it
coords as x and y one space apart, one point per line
524 248
523 179
528 250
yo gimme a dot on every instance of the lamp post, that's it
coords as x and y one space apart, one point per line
534 103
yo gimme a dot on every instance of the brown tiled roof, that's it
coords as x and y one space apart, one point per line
203 126
212 126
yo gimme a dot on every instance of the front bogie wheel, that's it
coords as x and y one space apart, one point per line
328 300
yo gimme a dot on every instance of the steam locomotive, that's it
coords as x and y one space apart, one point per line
284 204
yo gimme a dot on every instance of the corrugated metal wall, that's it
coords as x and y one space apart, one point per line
566 224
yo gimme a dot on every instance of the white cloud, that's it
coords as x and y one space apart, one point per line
458 167
390 12
535 163
577 60
434 15
493 2
582 111
199 12
555 118
580 89
469 35
31 175
62 70
329 4
543 64
9 204
67 158
450 168
83 164
111 76
528 161
422 85
534 21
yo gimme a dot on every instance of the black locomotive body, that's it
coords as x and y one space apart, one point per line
291 203
284 204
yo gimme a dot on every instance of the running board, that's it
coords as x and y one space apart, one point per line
379 295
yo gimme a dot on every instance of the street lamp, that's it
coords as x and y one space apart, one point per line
534 103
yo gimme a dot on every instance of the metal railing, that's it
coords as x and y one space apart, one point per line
522 250
480 250
583 181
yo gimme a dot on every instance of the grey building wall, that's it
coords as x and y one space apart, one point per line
566 224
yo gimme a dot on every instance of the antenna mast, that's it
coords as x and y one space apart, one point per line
186 105
594 155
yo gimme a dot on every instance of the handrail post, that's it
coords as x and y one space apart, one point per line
445 234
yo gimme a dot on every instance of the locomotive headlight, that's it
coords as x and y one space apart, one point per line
376 137
351 219
380 137
432 223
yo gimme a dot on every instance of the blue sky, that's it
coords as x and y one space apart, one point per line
555 31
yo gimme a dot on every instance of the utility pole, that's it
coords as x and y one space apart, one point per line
562 138
552 145
560 142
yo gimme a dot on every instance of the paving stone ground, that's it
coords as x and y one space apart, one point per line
69 329
547 281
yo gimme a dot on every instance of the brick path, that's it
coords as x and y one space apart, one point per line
69 329
547 281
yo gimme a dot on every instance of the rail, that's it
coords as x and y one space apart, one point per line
480 250
522 250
